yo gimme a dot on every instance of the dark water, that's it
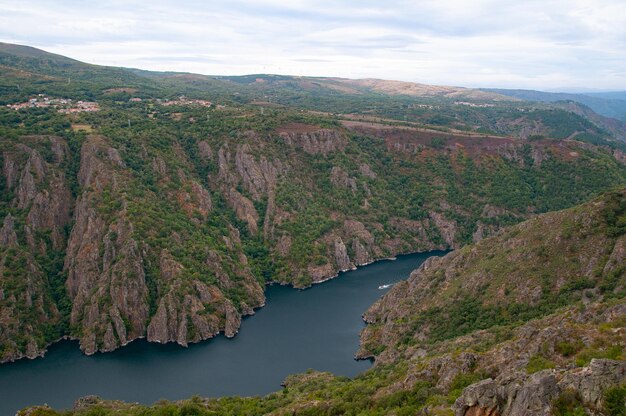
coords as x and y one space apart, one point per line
298 329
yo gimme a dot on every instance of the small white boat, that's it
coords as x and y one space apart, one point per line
383 287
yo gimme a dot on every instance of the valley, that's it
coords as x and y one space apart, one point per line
164 215
297 330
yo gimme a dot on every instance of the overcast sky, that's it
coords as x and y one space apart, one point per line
540 44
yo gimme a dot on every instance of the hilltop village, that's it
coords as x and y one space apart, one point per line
69 106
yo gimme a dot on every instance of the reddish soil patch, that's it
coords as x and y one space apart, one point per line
413 140
297 128
426 142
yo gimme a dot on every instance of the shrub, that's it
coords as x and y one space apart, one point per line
568 404
585 356
615 401
538 363
567 348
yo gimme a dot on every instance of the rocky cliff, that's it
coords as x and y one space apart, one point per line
523 273
559 350
33 234
536 394
172 237
116 277
117 273
516 281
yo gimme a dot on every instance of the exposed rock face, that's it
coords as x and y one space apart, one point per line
106 266
479 400
244 209
259 179
42 189
495 273
341 256
363 244
618 255
268 186
104 261
136 199
205 151
353 244
539 152
361 254
490 211
196 201
284 245
446 227
189 321
481 411
8 237
29 297
535 395
9 171
322 141
340 178
43 199
591 382
158 166
367 171
520 394
506 362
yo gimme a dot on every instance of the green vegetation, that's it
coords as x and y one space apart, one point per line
569 348
613 352
568 404
555 248
538 363
615 401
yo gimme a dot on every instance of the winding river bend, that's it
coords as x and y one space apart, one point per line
297 329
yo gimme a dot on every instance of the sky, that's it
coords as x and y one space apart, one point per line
550 45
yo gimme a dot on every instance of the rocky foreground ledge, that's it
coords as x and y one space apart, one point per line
521 394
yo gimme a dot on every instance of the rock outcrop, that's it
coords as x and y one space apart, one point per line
341 256
322 141
520 394
107 260
106 279
340 178
30 242
191 312
257 177
8 237
498 272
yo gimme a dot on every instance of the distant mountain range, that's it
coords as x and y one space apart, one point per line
608 104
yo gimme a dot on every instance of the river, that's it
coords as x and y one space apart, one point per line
297 329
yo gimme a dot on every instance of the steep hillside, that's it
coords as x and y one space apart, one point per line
198 207
32 243
528 271
27 71
528 322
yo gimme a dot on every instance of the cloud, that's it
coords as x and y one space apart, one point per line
543 44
